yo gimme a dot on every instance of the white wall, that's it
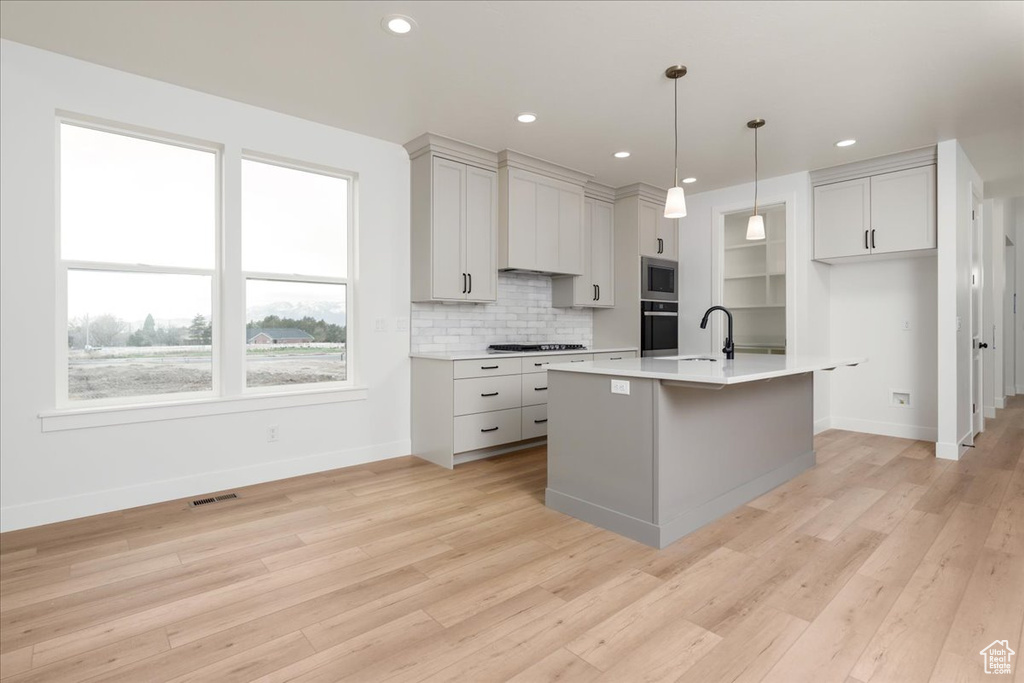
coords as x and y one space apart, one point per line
1019 244
46 477
807 282
870 301
956 181
522 314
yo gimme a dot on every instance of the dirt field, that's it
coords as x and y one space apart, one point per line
95 376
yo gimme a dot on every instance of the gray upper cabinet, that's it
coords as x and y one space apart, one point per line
595 288
540 217
454 221
888 209
658 235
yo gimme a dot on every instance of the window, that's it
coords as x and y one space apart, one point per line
138 227
152 310
295 263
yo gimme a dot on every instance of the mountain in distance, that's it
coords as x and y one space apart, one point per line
329 311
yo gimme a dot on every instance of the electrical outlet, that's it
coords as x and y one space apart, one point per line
401 324
380 324
271 433
906 326
901 398
620 386
958 324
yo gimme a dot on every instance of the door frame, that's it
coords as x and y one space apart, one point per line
976 261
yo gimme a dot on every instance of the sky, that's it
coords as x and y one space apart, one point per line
134 201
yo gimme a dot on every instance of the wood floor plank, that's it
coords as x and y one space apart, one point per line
881 563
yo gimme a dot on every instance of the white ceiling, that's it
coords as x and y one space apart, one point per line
893 75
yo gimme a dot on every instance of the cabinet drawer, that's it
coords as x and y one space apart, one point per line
615 355
535 388
535 421
487 429
487 367
483 394
541 363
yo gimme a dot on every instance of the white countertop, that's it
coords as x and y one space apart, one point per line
476 355
746 367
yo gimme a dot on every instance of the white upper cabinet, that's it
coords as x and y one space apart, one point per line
454 221
541 217
887 208
903 210
658 235
595 288
842 216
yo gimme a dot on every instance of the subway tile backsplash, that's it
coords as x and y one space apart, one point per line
523 314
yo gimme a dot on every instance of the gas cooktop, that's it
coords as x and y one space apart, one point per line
528 348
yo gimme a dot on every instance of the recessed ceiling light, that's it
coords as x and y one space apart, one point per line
621 155
398 24
526 117
846 143
689 180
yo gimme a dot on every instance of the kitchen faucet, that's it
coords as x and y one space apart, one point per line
729 350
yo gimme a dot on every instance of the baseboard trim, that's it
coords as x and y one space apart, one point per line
27 515
902 431
1000 403
989 412
947 451
824 424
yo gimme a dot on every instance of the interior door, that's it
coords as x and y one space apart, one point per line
448 219
903 210
841 215
977 323
481 231
601 252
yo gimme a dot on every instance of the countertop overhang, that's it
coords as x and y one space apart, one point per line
477 355
746 367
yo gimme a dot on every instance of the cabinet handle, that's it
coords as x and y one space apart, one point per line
578 361
866 240
470 291
463 283
598 292
493 393
488 367
540 388
616 358
872 238
540 422
661 245
490 429
537 365
595 292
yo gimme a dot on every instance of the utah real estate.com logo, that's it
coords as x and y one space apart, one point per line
997 657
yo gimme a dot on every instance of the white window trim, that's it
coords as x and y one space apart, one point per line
229 393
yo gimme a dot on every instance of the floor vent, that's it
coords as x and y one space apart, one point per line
214 499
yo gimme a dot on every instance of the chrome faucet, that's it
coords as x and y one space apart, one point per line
729 349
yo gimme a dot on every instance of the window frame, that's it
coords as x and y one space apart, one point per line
229 391
351 179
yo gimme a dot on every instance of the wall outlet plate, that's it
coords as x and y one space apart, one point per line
271 433
901 398
620 386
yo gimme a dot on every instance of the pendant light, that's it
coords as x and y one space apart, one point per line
675 202
755 226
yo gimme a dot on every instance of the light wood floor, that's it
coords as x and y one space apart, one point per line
880 564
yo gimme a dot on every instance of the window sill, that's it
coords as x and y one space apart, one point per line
85 418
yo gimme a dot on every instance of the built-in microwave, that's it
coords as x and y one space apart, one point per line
659 279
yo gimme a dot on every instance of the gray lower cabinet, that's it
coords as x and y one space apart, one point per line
467 409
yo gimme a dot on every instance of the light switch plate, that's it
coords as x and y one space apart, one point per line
620 386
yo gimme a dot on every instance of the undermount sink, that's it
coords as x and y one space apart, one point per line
706 359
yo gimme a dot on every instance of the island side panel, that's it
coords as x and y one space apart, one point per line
601 452
718 449
433 406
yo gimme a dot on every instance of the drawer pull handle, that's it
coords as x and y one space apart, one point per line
493 393
616 358
578 361
488 367
490 429
538 422
537 365
540 388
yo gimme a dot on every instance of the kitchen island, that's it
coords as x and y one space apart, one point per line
654 448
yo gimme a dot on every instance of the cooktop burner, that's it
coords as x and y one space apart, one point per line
522 348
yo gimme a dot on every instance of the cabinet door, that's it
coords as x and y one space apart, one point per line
570 232
481 234
545 257
841 218
668 231
584 291
649 229
602 245
448 219
903 210
521 237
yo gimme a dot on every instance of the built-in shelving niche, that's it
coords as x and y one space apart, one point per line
754 281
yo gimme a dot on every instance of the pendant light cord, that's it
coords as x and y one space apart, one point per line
755 171
675 127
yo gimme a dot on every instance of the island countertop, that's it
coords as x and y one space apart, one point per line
746 367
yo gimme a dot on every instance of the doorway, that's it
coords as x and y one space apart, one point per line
1010 321
977 322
